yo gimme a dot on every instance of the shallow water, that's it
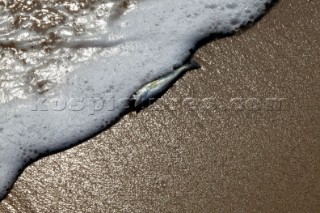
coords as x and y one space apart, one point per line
68 70
43 41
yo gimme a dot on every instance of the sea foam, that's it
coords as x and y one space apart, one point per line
63 85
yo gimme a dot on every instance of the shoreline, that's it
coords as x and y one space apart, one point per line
225 160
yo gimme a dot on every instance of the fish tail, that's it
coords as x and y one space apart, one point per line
194 65
191 65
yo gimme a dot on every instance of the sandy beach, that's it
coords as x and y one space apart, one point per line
241 134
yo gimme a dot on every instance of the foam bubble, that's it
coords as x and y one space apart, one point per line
69 80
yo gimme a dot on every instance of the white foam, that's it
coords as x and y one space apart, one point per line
114 60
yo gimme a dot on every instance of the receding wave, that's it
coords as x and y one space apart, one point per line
68 69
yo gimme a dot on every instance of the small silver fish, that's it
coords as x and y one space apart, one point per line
155 88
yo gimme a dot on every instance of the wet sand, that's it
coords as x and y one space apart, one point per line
252 145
